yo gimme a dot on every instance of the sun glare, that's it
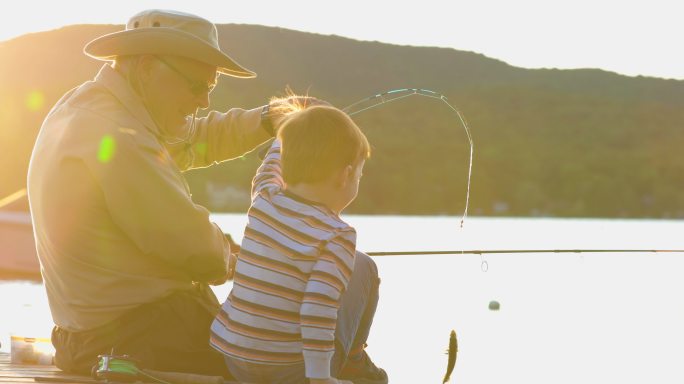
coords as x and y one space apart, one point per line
31 350
288 104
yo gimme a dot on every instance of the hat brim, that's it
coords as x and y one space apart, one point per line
163 41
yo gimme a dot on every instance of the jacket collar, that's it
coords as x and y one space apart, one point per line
119 87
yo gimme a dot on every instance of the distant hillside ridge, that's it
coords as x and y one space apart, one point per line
548 142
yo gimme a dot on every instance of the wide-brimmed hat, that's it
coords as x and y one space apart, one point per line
162 32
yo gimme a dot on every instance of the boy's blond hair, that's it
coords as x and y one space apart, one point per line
318 141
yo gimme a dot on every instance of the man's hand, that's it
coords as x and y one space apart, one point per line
234 247
230 260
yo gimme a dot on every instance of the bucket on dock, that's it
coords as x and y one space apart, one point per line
31 350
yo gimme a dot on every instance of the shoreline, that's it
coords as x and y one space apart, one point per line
8 276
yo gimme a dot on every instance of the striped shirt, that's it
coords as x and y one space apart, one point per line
296 261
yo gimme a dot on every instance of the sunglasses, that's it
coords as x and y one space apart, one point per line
197 88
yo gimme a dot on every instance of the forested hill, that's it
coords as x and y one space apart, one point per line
547 142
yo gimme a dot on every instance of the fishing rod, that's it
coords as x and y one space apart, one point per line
498 251
379 99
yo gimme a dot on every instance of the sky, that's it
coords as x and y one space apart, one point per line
630 37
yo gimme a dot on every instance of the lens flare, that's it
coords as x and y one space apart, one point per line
201 149
35 100
107 149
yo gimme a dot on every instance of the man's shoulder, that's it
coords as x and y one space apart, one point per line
91 115
106 110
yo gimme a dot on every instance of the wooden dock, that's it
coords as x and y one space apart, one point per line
20 373
15 373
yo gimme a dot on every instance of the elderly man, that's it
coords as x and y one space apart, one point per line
125 253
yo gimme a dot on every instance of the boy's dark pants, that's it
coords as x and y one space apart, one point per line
357 307
171 334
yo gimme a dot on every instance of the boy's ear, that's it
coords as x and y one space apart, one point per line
345 175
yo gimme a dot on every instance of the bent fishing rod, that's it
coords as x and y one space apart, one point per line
501 251
382 98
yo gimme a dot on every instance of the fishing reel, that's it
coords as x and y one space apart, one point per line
110 368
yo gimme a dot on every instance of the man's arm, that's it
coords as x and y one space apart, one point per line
224 136
150 202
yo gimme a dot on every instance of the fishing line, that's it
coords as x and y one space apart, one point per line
398 94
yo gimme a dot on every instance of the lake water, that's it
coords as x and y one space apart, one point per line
563 318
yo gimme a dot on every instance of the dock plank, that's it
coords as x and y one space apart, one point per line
25 373
29 373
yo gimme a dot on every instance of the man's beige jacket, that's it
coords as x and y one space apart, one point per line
114 222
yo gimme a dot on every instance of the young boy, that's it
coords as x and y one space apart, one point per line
303 298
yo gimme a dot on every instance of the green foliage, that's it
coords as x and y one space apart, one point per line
547 142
